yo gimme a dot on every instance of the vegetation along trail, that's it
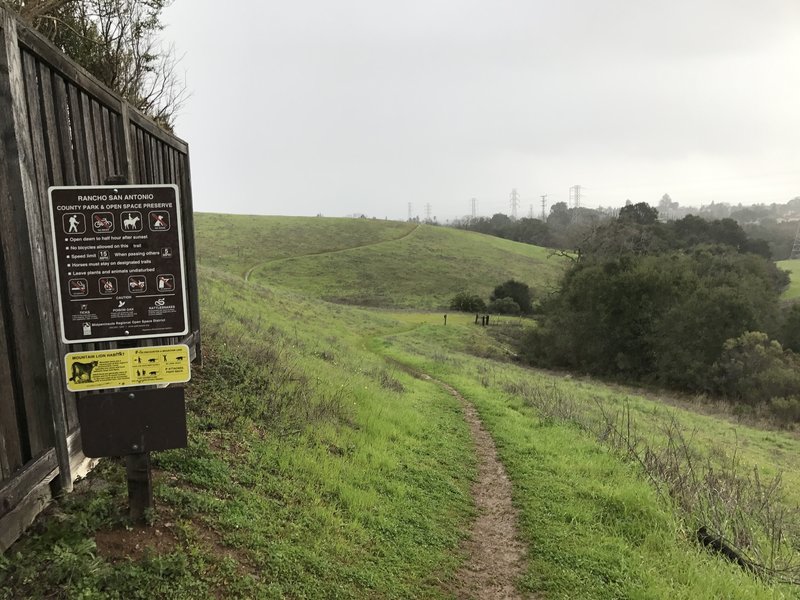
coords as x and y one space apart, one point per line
496 556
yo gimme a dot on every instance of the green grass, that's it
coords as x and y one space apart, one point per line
237 243
422 271
595 527
793 266
317 469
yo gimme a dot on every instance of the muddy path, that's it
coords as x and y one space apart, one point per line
496 556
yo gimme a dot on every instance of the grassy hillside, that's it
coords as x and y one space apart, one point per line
237 243
318 468
422 270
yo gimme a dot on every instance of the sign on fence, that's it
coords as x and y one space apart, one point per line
119 262
125 367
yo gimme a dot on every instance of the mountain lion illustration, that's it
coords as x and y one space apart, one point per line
82 372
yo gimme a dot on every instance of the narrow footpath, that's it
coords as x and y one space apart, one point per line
496 556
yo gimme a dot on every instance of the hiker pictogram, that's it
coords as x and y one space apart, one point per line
74 223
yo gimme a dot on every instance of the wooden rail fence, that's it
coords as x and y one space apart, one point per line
58 126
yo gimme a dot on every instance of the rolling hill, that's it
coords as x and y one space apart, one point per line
368 262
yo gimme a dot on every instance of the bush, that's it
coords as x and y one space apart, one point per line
754 369
467 302
504 306
517 291
785 410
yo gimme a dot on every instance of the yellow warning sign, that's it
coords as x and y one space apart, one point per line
104 369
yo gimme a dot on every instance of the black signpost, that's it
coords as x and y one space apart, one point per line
119 262
120 271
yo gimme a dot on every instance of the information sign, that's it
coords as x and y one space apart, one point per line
119 262
125 367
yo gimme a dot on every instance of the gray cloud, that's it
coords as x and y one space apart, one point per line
308 107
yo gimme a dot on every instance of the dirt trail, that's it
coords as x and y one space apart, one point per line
496 554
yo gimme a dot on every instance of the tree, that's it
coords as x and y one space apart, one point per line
504 306
641 213
117 41
516 290
466 302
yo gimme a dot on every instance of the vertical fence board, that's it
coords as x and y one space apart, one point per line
63 117
50 123
11 457
83 176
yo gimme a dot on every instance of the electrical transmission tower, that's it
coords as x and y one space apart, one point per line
575 196
544 207
796 246
530 212
514 203
409 211
575 202
474 202
428 212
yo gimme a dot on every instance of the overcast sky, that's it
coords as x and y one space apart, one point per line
313 106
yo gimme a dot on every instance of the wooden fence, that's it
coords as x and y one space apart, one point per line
58 126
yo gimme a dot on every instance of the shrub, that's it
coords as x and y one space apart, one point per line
755 369
504 306
519 292
467 302
785 410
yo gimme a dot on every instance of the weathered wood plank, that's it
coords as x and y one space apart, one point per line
100 142
78 135
190 248
147 125
66 150
10 447
88 132
14 524
12 491
129 160
50 123
112 143
17 189
142 150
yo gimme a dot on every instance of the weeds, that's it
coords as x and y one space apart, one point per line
715 493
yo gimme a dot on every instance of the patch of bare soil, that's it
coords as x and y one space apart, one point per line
496 554
121 544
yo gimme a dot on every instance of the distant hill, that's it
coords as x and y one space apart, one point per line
370 262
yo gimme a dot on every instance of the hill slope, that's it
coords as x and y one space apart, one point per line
422 269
